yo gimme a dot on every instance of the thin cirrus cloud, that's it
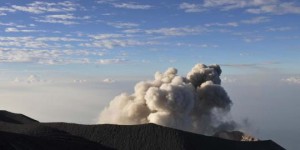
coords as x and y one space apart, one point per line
121 25
66 19
40 7
123 5
111 61
191 8
278 29
277 7
110 41
177 31
131 6
49 57
228 24
256 20
20 30
5 10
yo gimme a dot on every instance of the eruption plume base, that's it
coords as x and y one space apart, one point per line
196 103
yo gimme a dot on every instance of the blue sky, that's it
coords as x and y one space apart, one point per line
85 52
145 34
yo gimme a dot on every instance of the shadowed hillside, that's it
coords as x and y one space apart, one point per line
34 136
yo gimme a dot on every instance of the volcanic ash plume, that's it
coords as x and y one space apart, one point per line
196 103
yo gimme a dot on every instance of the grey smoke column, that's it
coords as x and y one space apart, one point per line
195 103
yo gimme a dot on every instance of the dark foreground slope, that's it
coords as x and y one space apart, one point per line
148 136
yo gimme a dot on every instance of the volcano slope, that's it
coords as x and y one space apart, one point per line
18 132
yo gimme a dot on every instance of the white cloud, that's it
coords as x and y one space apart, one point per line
276 29
292 80
27 42
31 79
112 43
251 6
65 39
132 31
66 19
21 56
4 10
251 39
108 80
20 30
278 8
190 8
110 61
79 80
61 16
256 20
234 4
50 50
49 57
228 24
177 31
123 24
105 1
106 36
131 6
40 7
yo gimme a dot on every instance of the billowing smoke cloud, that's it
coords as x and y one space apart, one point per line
196 103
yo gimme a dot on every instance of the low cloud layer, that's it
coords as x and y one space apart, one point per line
195 103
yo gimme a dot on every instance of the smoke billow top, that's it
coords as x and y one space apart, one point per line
195 103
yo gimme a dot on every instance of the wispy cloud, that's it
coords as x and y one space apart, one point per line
106 36
177 31
258 65
49 57
26 42
278 7
256 20
111 61
280 29
235 4
108 80
20 30
250 39
5 10
131 6
65 39
125 5
112 43
191 8
66 19
7 24
40 7
123 24
45 50
228 24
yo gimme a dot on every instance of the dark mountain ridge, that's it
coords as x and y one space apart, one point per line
37 136
10 117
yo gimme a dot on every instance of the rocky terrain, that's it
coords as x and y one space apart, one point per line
19 132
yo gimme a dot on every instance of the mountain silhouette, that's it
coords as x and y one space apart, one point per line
19 132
